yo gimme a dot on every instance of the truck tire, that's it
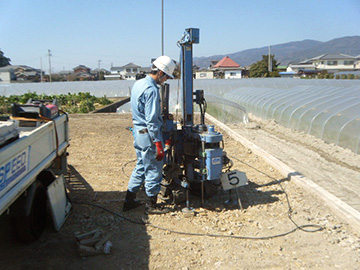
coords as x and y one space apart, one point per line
29 228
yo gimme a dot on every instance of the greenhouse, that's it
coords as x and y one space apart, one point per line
326 109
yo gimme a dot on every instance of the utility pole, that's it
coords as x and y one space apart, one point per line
49 54
99 61
41 75
270 62
162 27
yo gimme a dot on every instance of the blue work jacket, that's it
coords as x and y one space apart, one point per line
146 109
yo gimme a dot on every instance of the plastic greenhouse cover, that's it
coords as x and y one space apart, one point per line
327 109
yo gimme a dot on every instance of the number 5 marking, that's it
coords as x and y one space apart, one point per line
233 179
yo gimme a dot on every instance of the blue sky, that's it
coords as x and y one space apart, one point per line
118 32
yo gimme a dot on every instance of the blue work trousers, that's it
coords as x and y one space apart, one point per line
147 169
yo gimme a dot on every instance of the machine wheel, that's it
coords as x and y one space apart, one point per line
30 228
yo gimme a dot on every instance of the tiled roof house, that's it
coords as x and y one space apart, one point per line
229 67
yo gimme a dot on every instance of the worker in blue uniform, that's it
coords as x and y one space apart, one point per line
148 141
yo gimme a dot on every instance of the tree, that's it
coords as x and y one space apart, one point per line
4 61
101 75
260 68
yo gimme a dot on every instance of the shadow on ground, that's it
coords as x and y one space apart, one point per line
94 209
58 250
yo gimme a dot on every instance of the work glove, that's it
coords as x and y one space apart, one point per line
159 151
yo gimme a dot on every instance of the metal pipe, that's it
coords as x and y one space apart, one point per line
187 199
162 27
203 172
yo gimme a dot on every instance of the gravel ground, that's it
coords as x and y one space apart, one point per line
261 236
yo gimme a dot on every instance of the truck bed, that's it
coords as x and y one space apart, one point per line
23 159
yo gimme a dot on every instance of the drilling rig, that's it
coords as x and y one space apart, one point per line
194 160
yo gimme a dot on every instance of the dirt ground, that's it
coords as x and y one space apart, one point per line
259 237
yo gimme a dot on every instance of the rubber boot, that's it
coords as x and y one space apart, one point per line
152 208
130 202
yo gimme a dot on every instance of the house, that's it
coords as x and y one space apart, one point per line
99 73
299 69
143 72
204 74
101 70
83 73
329 62
25 73
127 72
334 62
228 68
7 74
20 73
81 69
357 65
301 66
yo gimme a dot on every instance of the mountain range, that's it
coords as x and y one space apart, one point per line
285 53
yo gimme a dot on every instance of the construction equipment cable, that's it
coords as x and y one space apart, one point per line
290 211
144 221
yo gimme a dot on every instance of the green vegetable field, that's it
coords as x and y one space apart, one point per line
70 103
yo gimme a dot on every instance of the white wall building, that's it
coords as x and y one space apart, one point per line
7 74
329 62
233 74
297 67
127 72
199 75
357 64
334 62
5 77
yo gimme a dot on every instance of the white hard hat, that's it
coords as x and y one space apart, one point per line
165 64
